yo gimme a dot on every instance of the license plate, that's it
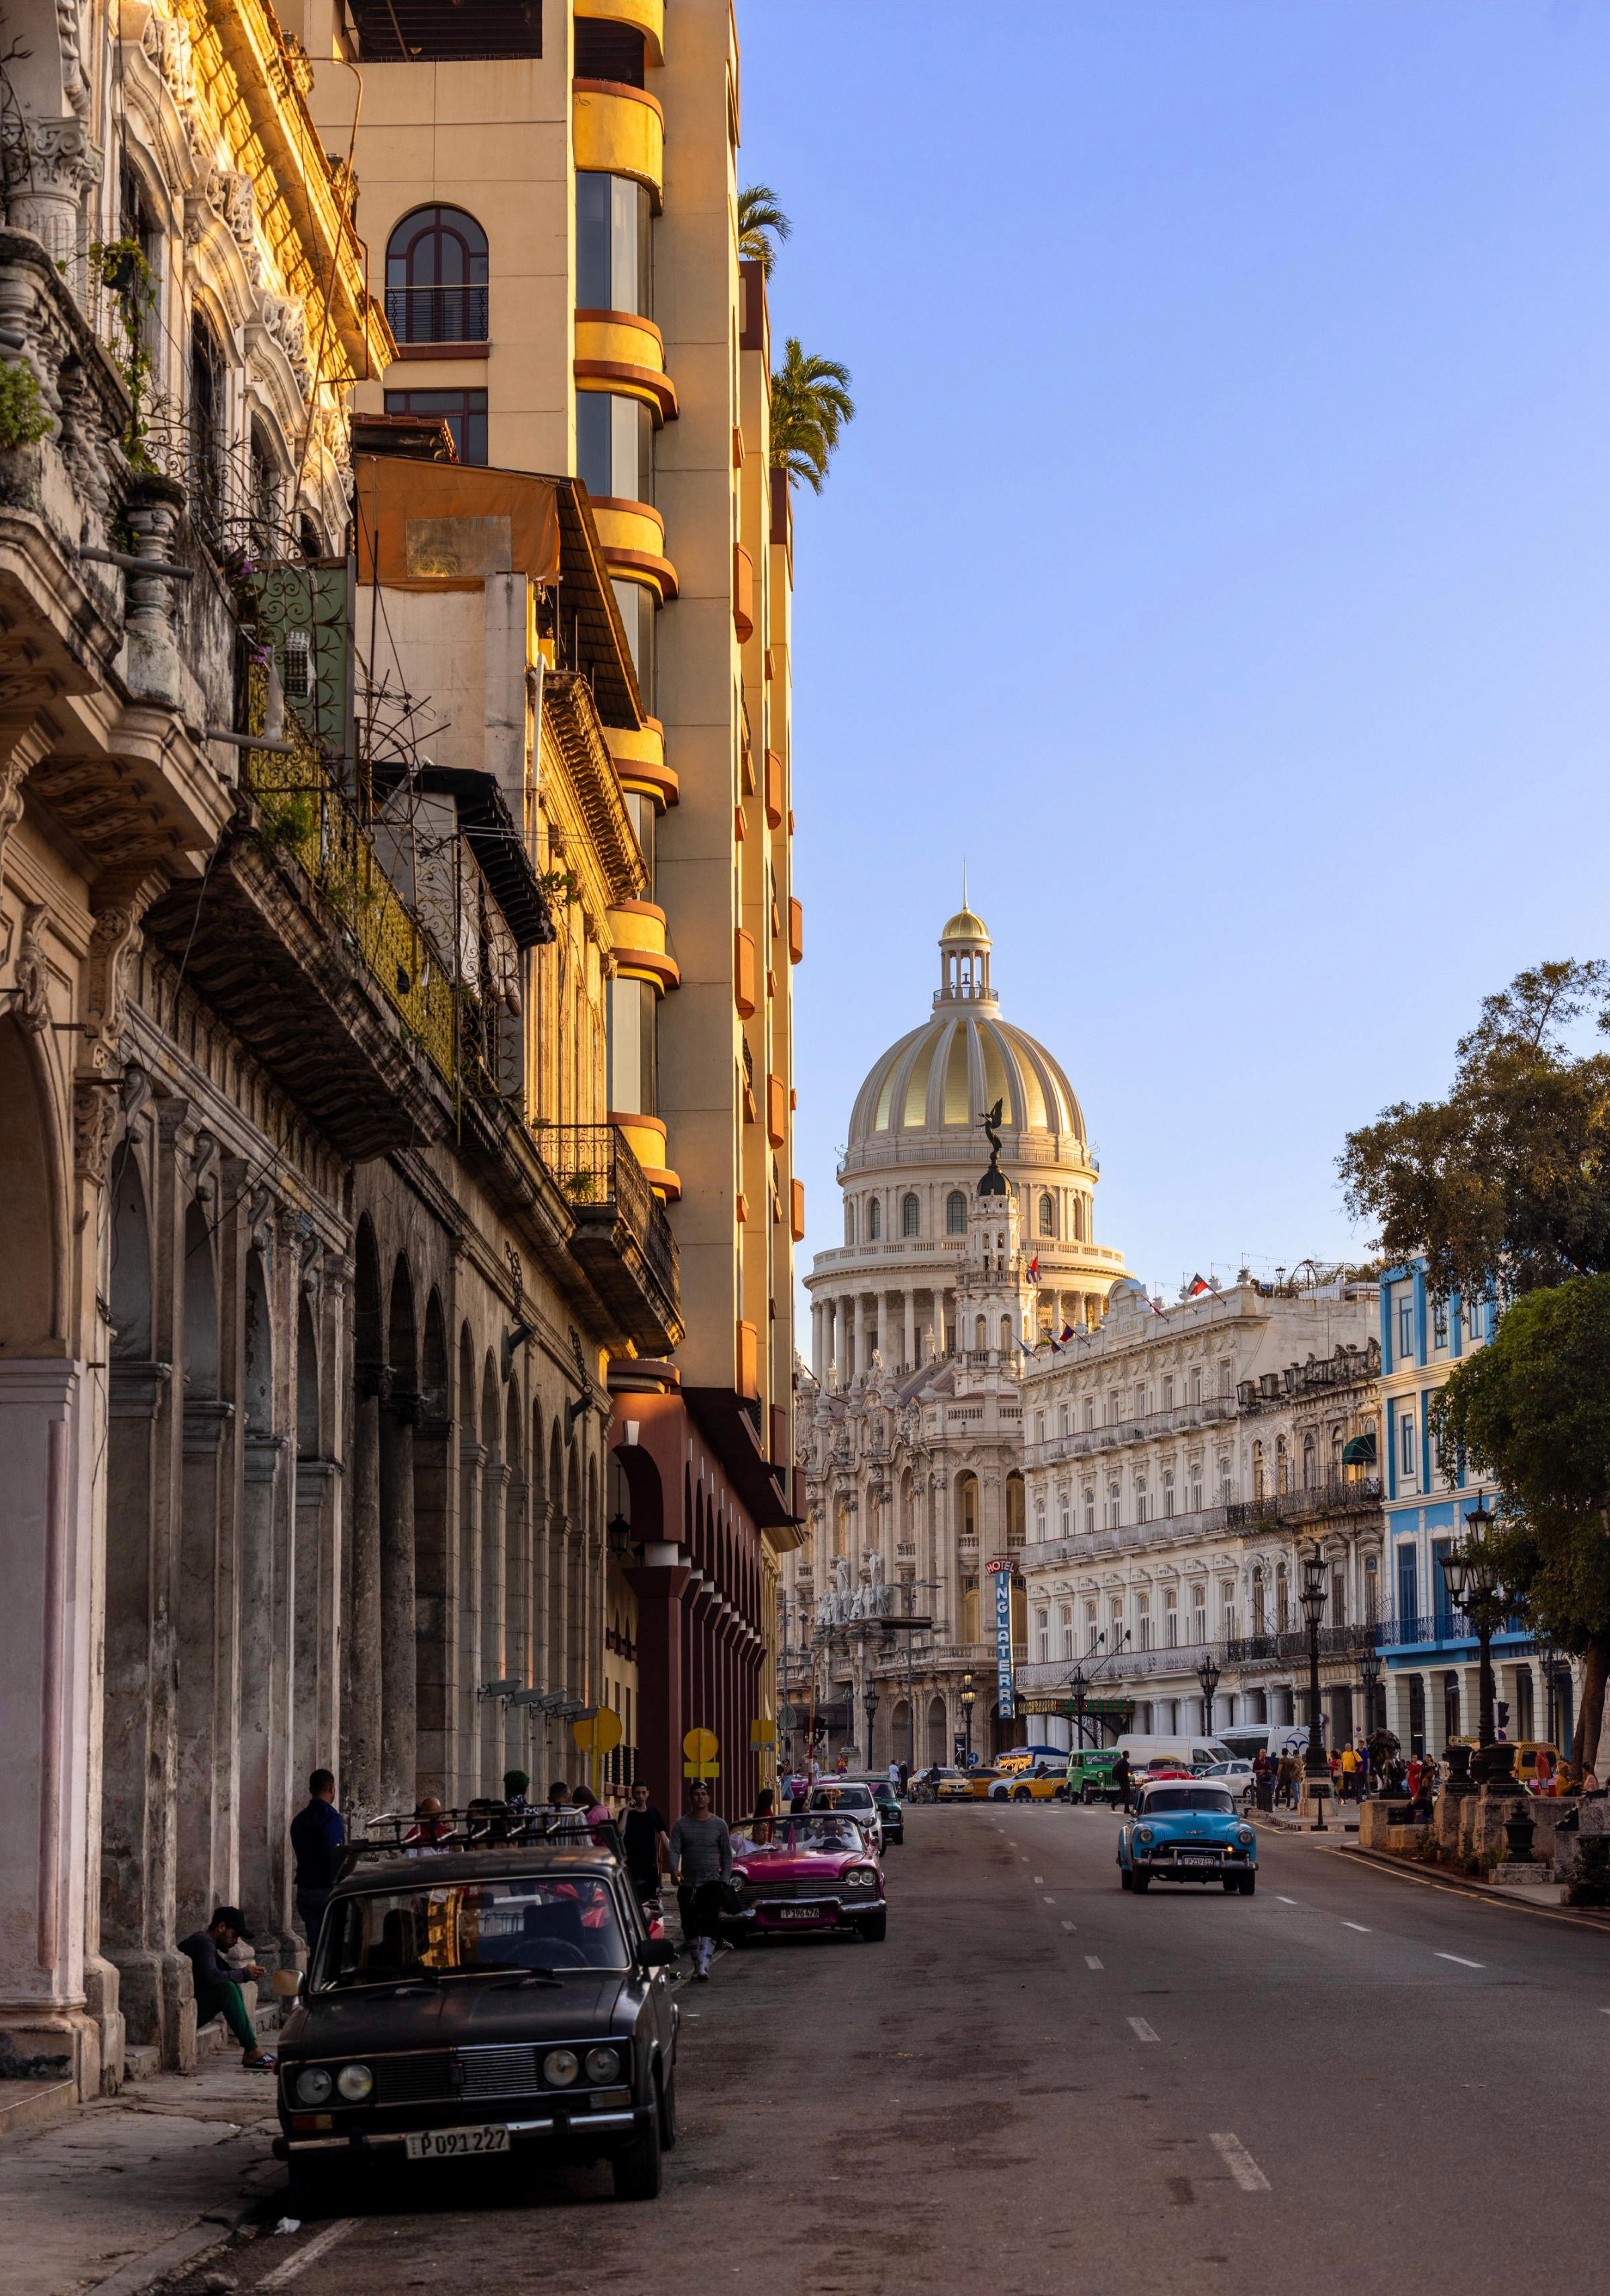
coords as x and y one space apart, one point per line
798 1914
1196 1861
455 2144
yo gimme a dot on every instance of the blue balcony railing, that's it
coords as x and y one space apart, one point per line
1444 1626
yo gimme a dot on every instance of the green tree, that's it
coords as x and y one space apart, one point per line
759 217
1531 1409
1505 1183
810 404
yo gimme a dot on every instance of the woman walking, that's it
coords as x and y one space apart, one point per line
700 1860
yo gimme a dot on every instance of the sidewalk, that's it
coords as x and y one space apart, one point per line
134 2185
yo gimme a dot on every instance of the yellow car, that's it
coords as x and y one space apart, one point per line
1044 1781
961 1785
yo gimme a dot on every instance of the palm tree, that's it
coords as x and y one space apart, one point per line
759 216
810 403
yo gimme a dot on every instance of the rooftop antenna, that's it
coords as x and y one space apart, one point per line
963 884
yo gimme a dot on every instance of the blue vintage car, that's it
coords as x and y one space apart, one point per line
1185 1830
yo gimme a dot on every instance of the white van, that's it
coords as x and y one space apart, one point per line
1190 1753
1271 1738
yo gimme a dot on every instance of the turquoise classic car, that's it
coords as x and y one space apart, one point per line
1183 1830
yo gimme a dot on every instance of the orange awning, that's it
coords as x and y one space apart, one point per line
447 526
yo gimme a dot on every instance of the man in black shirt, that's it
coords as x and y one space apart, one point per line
217 1990
646 1837
318 1835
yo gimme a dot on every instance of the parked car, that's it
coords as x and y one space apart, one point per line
1090 1776
811 1875
1045 1779
469 2000
1187 1830
1238 1776
1030 1757
856 1799
891 1813
963 1785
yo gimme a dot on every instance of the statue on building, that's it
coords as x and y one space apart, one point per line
994 1182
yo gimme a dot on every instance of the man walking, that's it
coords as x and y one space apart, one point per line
1122 1781
318 1835
646 1842
700 1859
218 1991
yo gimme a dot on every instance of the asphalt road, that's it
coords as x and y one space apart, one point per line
1351 2081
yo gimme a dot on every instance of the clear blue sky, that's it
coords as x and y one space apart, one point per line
1218 559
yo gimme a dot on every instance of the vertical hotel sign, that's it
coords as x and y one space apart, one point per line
1006 1690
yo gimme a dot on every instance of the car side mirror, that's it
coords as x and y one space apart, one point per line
656 1952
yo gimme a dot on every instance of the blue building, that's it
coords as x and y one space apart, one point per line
1430 1651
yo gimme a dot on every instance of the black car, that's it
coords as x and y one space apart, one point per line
465 2000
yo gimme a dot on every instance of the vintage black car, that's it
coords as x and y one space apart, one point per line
465 2000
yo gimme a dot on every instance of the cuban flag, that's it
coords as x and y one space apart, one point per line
1034 1269
1199 1284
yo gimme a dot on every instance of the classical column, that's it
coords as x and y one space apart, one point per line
910 1355
494 1491
398 1671
264 1637
517 1614
863 1347
842 1312
205 1734
435 1608
361 1706
815 1339
466 1753
659 1583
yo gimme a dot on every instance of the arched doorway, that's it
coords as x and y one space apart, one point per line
938 1736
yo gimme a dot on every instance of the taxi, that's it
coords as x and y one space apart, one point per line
1045 1779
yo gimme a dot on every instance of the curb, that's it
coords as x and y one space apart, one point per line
183 2249
1461 1886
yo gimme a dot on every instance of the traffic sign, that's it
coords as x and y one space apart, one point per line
597 1734
762 1733
700 1748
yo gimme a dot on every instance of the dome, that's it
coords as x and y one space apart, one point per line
965 926
925 1096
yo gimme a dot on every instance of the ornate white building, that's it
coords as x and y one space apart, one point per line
911 1422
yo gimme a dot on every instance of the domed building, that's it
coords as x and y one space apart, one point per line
969 1191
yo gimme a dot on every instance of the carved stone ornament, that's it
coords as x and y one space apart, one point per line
28 1000
206 1156
95 1121
259 1220
118 914
134 1093
69 30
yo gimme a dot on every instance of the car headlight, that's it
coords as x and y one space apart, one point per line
560 2067
355 2082
602 2065
312 2086
1244 1834
1143 1833
861 1877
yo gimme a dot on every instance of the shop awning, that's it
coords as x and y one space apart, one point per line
1360 1452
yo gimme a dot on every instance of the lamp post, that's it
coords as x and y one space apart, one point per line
1208 1676
1312 1599
1475 1587
1079 1683
870 1703
968 1696
1369 1675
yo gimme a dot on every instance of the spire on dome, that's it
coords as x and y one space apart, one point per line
964 956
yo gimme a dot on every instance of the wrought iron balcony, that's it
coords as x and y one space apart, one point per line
622 1236
1334 1496
1444 1626
438 315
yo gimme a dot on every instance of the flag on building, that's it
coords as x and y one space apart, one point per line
1034 1269
1067 1333
1198 1284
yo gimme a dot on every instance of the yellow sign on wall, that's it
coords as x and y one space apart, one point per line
762 1733
700 1748
597 1734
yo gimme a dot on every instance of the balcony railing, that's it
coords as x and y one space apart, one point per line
618 1215
438 315
1132 1427
1292 1644
1333 1496
1444 1626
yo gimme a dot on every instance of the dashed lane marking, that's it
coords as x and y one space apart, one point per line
1141 2030
319 2245
1040 1881
1359 1927
1091 1963
1240 2163
1069 1927
1288 1902
1461 1960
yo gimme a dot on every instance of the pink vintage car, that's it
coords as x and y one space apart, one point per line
806 1873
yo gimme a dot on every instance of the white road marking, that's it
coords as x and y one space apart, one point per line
1040 1881
1359 1927
319 2245
1461 1960
1050 1901
1091 1962
1288 1902
1141 2030
1240 2163
1069 1927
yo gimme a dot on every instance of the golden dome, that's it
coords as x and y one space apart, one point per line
965 926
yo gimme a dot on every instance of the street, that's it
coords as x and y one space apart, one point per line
1042 2083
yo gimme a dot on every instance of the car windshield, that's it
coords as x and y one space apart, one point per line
1171 1798
841 1797
797 1837
469 1928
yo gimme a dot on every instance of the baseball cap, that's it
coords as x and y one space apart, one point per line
233 1918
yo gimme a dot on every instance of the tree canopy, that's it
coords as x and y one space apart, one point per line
762 222
810 404
1505 1183
1532 1410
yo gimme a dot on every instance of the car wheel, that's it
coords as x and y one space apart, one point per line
1143 1882
667 2112
874 1927
1126 1879
1061 1794
1086 1797
1249 1882
1023 1794
1232 1882
636 2171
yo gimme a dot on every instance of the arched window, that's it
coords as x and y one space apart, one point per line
1005 1335
874 1219
208 427
911 1216
980 1335
955 1213
1310 1458
1048 1216
436 278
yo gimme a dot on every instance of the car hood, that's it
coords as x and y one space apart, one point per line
458 2016
817 1866
1192 1825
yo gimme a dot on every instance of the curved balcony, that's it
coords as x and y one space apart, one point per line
645 1135
621 352
743 592
632 537
639 756
638 929
619 131
645 16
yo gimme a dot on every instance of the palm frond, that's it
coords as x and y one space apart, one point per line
810 404
760 217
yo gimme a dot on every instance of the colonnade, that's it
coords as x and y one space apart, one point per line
913 1325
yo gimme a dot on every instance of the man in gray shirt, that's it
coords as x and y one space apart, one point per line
700 1859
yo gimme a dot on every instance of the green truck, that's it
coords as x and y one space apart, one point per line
1091 1774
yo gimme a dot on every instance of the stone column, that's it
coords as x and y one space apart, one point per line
398 1623
205 1732
264 1638
315 1717
910 1357
494 1490
817 1360
659 1583
435 1612
361 1706
863 1350
844 1308
517 1615
466 1760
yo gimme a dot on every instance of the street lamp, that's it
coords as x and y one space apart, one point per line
870 1702
968 1696
1079 1683
1475 1586
1369 1675
1312 1599
1208 1676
